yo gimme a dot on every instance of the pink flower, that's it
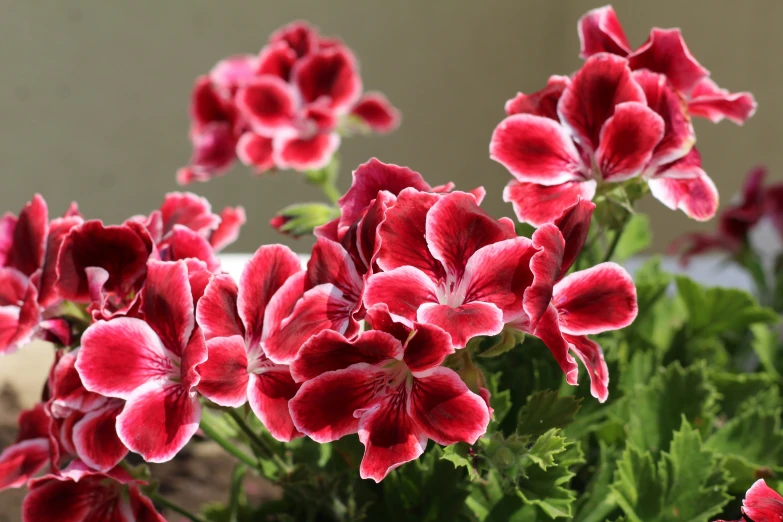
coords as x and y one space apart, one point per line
30 453
390 389
286 108
592 301
666 53
610 125
19 311
83 495
235 322
446 262
156 373
762 504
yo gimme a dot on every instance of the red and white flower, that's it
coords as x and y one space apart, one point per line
235 321
151 364
606 124
285 108
79 494
592 301
762 504
666 53
392 390
446 262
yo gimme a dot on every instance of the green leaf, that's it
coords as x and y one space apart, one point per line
688 484
651 412
765 344
548 488
506 341
547 447
636 237
712 311
458 454
499 400
546 410
753 446
597 502
742 392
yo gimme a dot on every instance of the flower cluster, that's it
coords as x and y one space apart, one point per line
74 282
761 504
285 108
624 115
756 205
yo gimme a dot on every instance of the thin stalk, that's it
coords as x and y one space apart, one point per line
258 441
331 192
176 508
227 445
236 490
613 245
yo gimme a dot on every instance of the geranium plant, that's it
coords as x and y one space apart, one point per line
426 361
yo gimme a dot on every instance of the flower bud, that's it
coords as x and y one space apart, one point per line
300 220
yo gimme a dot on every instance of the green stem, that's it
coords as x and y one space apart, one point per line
613 246
258 441
163 501
236 490
331 192
226 444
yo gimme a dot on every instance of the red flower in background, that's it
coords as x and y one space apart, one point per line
30 453
235 321
151 364
390 387
762 504
285 108
79 494
756 202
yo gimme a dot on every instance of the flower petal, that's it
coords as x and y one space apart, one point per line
269 394
224 374
321 308
269 268
189 210
231 220
446 410
183 244
390 437
21 461
95 437
268 104
158 421
762 502
665 52
330 74
628 140
324 407
117 249
548 331
167 303
213 153
330 351
539 204
463 322
426 348
276 59
293 152
233 72
370 178
67 393
58 230
499 274
596 300
546 266
403 234
600 31
375 111
540 103
535 149
457 228
255 151
574 225
711 102
29 237
331 263
684 185
403 290
678 136
121 355
604 81
591 355
217 312
208 106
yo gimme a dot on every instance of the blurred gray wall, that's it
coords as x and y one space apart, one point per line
93 98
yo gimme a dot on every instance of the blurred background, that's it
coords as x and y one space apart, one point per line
95 94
